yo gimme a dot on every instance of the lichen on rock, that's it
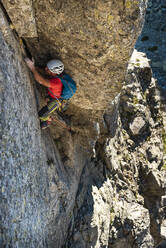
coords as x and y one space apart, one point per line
94 40
126 201
22 16
101 185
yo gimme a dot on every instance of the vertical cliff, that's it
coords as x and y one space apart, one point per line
93 38
152 39
37 191
23 162
125 201
91 187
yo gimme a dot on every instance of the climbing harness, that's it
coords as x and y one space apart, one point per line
59 101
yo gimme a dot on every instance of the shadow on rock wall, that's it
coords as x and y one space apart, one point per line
152 40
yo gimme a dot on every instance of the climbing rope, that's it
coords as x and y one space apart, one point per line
60 123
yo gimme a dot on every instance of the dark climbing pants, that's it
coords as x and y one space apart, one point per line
47 110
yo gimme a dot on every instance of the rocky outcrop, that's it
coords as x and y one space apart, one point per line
37 191
93 38
152 39
21 14
124 205
22 204
102 184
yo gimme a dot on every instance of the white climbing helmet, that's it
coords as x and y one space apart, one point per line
55 66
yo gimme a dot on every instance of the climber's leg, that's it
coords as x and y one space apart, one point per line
46 111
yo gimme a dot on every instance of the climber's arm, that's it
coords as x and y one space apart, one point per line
41 71
38 77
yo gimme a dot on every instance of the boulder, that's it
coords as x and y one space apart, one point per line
137 125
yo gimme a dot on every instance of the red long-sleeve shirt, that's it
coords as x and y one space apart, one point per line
56 87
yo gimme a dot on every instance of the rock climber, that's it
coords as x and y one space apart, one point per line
54 85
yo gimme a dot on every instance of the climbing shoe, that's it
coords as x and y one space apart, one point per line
45 124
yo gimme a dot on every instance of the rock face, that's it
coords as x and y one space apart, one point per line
93 38
37 191
124 204
22 16
22 201
100 185
152 39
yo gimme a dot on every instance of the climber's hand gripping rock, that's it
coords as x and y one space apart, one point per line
30 63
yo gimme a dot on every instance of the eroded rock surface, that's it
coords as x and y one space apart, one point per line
116 169
23 199
37 191
124 205
93 38
152 39
22 16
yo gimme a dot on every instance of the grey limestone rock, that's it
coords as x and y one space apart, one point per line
102 185
152 39
137 124
37 191
127 197
163 229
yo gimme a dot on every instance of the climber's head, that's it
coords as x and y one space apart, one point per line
55 66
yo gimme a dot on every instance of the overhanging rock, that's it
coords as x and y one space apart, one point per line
93 38
22 17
